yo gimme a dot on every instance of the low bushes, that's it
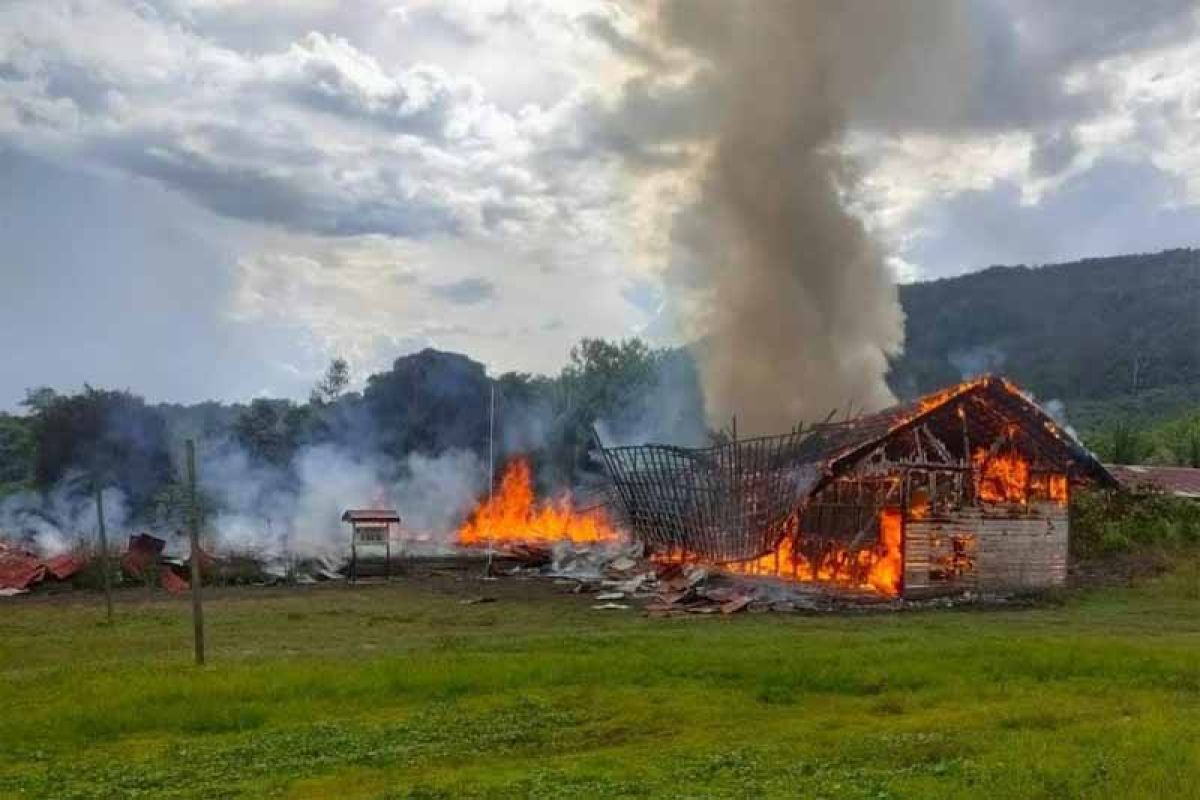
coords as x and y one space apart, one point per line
1125 521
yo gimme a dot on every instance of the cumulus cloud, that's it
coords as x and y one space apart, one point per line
353 154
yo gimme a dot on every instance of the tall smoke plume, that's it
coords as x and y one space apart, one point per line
801 312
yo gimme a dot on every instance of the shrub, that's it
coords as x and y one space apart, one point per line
1125 520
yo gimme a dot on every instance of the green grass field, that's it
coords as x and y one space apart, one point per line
401 691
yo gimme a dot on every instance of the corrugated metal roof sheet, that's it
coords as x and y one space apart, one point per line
1179 481
20 569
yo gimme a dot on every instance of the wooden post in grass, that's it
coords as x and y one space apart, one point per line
194 537
487 568
104 568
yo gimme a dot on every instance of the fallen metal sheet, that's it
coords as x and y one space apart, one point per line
142 553
172 582
20 569
64 566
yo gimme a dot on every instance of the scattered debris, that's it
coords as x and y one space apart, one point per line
620 572
20 569
736 604
622 564
611 607
142 555
471 601
171 581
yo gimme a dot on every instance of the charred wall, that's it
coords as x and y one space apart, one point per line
986 549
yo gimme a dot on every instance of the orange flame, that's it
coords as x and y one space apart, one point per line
875 569
513 516
932 401
1003 477
1007 478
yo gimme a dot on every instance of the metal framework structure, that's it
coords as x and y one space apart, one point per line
725 503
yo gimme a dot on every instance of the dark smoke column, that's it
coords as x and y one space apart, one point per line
801 312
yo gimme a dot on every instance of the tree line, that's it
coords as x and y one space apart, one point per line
427 403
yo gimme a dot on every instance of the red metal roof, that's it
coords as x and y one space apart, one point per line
65 565
1179 481
20 569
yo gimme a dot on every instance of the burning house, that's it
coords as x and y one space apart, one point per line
965 489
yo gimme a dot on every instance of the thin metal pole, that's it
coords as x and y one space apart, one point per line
194 537
491 469
107 573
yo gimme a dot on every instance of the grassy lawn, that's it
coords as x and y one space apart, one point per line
402 691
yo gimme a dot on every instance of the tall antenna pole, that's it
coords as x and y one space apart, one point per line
107 573
491 468
194 537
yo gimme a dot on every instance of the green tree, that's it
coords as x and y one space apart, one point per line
602 380
17 453
1127 444
271 431
111 437
429 402
1190 446
333 384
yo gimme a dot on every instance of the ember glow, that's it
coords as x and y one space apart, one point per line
876 569
513 515
938 399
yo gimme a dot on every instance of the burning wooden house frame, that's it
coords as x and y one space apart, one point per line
965 489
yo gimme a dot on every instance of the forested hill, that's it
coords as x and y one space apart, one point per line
1102 331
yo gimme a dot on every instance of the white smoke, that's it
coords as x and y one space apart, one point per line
272 514
1057 410
62 519
973 362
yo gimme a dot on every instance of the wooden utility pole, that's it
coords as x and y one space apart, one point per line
104 568
194 537
487 569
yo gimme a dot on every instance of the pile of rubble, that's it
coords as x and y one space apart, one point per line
149 560
621 577
21 570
